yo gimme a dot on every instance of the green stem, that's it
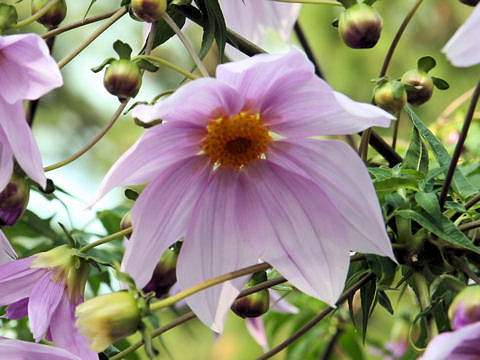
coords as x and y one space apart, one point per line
106 239
91 143
186 43
167 64
423 295
316 2
36 15
363 148
395 129
206 284
118 14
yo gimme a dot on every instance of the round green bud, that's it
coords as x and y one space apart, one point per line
255 304
53 16
470 2
13 200
149 10
389 97
360 26
418 78
123 78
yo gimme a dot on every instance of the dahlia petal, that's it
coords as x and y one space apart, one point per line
20 350
154 151
256 328
21 141
7 253
461 344
44 299
302 234
17 310
17 280
6 160
280 305
161 214
26 62
463 49
207 99
212 248
338 171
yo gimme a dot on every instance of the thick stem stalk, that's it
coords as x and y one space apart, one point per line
35 16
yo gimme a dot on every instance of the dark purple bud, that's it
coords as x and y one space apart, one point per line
465 308
255 304
360 26
123 78
390 96
470 2
53 16
416 78
13 200
149 10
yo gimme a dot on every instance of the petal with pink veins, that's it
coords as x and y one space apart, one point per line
7 253
17 280
256 328
11 349
6 160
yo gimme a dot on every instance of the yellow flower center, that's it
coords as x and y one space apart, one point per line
236 141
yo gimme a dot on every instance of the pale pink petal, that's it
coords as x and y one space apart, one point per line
208 99
212 247
154 151
463 49
17 310
7 253
6 160
26 62
161 214
22 350
17 280
256 328
44 299
296 228
461 344
280 305
21 141
338 170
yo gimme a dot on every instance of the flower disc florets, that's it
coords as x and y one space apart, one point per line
236 141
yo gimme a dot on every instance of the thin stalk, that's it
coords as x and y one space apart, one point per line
458 147
35 16
92 142
455 104
167 64
316 319
397 37
316 2
384 149
472 201
464 267
206 284
308 49
151 38
186 43
469 225
363 148
395 129
106 239
77 24
118 14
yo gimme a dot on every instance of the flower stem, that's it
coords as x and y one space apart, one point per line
118 14
464 267
186 43
459 146
35 16
308 49
91 143
167 64
316 2
395 129
77 24
397 37
106 239
206 284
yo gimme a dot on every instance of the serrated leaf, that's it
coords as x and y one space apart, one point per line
395 183
146 65
106 62
123 50
459 183
417 154
8 16
440 84
426 63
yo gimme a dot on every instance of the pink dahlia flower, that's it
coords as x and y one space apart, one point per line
47 287
463 49
235 171
27 71
20 350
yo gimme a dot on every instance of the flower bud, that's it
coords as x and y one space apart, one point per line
13 200
108 318
418 78
123 78
390 96
255 304
126 222
165 273
465 308
470 2
149 10
360 26
53 16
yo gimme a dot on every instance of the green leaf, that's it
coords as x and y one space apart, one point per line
384 268
164 32
426 63
384 301
8 16
106 62
214 27
398 89
445 284
459 183
429 203
89 7
367 297
440 84
146 65
123 50
395 183
417 154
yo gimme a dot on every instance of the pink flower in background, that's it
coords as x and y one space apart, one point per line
27 71
47 287
463 49
6 251
234 171
20 350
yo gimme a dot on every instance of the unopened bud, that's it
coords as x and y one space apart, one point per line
418 78
126 222
108 318
255 304
123 78
470 2
465 308
13 200
149 10
54 15
390 96
360 26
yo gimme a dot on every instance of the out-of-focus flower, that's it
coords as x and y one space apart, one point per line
14 200
20 350
47 287
234 171
463 49
6 251
27 71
